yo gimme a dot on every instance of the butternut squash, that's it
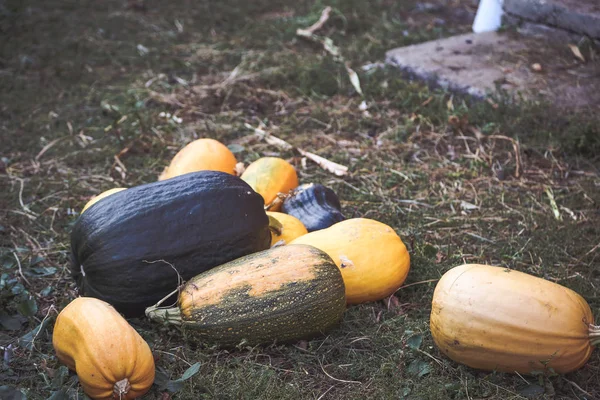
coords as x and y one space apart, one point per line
371 256
110 358
494 318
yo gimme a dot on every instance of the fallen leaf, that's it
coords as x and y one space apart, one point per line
537 67
354 80
577 52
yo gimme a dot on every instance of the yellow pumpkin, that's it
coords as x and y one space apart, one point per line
200 155
269 176
100 197
110 358
498 319
289 228
371 256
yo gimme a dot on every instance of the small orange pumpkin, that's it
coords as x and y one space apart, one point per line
269 176
371 256
100 197
110 358
199 155
287 228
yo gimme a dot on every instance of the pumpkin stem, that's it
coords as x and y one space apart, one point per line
121 388
164 315
595 335
275 226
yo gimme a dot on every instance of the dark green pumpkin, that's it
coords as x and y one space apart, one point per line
126 247
282 294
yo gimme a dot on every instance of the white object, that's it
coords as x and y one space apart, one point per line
489 16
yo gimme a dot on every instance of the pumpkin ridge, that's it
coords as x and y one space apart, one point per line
594 335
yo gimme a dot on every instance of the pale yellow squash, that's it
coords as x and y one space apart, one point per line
372 258
497 319
289 228
99 197
110 358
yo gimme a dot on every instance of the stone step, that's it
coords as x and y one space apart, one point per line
579 16
522 65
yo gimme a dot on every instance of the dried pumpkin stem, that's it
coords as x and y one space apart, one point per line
595 335
121 388
165 315
275 226
169 315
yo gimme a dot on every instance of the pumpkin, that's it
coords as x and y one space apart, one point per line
269 176
201 155
282 294
132 248
100 197
317 206
371 256
285 228
494 318
110 358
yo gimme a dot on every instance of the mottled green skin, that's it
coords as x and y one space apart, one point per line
297 310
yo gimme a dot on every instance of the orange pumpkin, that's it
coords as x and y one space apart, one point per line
371 256
498 319
110 358
100 197
199 155
269 176
287 228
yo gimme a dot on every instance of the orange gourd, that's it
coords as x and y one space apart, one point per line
287 229
102 195
110 358
498 319
372 258
269 176
200 155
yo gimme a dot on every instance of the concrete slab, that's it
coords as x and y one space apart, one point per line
480 64
580 16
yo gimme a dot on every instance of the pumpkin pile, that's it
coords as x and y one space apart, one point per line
259 258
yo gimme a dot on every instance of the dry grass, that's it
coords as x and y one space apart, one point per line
459 181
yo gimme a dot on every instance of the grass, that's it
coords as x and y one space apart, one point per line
83 87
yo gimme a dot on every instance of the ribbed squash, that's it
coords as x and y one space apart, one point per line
282 294
371 256
102 195
110 358
131 248
494 318
269 176
201 155
287 228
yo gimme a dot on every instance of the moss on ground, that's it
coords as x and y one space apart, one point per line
83 86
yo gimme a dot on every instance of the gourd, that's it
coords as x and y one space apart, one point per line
269 176
282 294
102 195
372 258
133 248
200 155
110 358
494 318
284 228
317 206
